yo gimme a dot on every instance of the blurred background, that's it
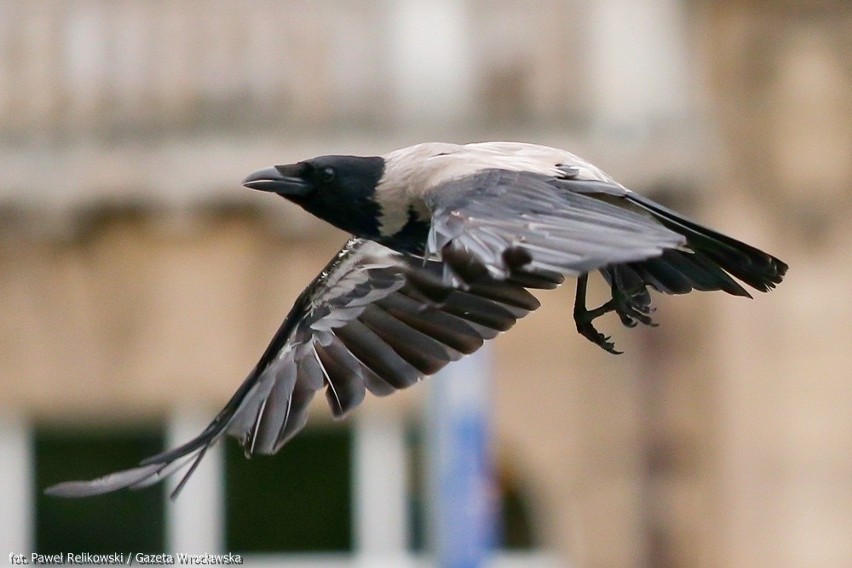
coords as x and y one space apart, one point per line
139 282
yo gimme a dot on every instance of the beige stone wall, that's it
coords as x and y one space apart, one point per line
132 314
781 83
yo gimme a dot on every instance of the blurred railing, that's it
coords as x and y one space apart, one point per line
111 67
125 68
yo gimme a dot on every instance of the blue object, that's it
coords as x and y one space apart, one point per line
462 507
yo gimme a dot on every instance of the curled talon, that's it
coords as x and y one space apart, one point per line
587 330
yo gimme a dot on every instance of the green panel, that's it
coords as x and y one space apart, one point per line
119 522
299 500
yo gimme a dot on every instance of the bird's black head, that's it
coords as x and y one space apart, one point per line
337 189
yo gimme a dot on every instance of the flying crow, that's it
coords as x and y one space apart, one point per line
446 241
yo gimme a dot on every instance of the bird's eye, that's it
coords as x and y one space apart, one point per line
326 174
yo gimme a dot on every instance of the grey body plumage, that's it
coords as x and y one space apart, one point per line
447 239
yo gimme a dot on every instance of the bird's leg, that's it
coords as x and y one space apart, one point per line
583 317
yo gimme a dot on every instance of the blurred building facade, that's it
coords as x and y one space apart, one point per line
138 281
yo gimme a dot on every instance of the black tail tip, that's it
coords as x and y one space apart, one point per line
770 275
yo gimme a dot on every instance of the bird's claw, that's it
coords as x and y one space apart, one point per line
583 319
632 309
587 330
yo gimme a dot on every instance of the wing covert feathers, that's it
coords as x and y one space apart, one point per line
561 231
526 226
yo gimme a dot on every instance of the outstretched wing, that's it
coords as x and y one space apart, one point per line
373 320
548 223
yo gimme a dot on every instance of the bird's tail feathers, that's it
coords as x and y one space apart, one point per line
707 252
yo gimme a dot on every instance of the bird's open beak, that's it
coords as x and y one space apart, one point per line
283 180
